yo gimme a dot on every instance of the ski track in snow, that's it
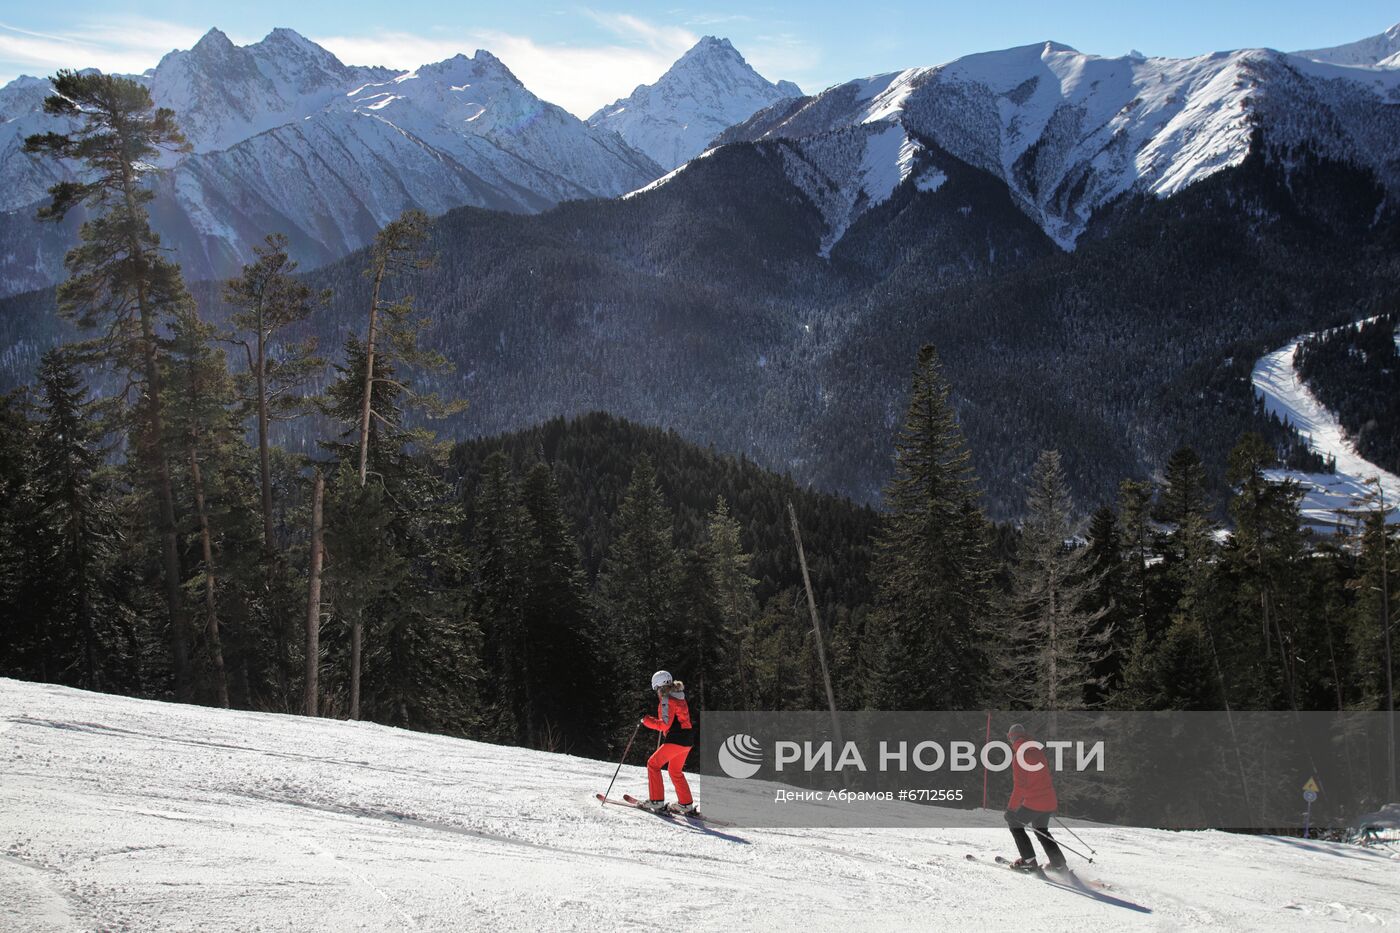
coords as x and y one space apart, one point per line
129 814
1285 394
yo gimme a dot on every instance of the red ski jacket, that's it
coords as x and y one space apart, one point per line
1032 789
672 720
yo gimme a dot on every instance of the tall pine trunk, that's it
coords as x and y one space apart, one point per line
368 397
211 608
313 599
165 498
165 490
264 447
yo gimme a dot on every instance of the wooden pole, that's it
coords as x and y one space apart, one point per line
313 598
816 626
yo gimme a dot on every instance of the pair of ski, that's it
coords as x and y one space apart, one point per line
1053 875
629 801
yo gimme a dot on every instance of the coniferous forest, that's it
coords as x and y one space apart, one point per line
156 541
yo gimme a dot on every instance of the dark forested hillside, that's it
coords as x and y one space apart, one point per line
593 457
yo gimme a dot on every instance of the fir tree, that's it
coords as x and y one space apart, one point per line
23 624
567 669
731 596
77 544
930 568
1106 567
1054 642
640 584
502 547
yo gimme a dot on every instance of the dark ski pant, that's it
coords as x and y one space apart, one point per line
1019 819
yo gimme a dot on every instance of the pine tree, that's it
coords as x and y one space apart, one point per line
362 564
204 427
119 283
405 571
270 302
391 335
1054 644
1265 554
640 584
930 567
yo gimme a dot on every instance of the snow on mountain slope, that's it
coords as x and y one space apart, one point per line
710 88
463 97
26 179
1069 132
129 814
223 94
288 139
1381 50
1285 394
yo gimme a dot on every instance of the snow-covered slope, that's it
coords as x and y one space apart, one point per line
707 90
1277 382
288 139
1069 132
1381 50
129 814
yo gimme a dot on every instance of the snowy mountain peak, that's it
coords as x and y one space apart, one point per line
292 45
212 43
481 66
1381 51
708 89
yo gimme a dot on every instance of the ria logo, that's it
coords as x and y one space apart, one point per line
740 756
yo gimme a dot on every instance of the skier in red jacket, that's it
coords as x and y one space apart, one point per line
672 720
1032 801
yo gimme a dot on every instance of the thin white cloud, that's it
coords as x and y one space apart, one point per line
578 77
783 56
128 45
667 40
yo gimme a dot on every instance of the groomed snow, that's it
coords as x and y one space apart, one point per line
129 814
1276 380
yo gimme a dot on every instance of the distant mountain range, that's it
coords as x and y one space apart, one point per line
1098 246
286 137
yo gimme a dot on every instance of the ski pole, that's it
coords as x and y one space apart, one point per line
1086 858
624 758
1075 835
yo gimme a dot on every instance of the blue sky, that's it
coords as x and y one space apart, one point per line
583 56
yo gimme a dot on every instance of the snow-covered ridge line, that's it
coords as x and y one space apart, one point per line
133 814
1285 394
1068 132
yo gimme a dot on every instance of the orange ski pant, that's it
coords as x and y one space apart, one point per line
671 757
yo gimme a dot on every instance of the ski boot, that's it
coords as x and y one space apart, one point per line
653 806
685 809
1025 864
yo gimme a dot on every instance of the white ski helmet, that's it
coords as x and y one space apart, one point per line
660 679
